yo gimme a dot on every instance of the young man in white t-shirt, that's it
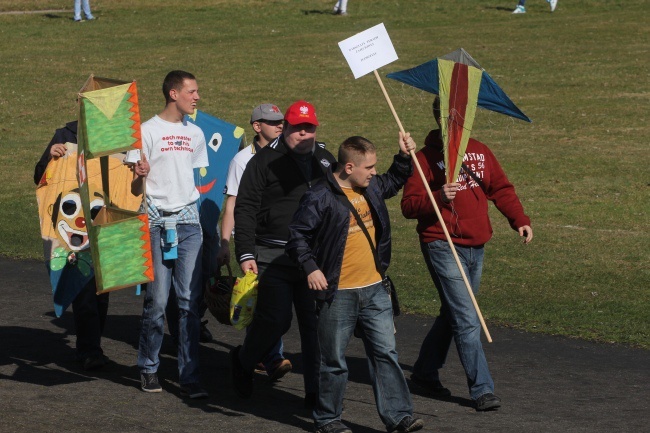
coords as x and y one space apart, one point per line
171 149
266 120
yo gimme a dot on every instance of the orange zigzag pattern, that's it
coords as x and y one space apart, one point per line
135 109
146 245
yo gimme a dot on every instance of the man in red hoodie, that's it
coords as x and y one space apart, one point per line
464 208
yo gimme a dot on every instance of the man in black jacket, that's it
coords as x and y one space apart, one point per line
340 236
88 308
271 187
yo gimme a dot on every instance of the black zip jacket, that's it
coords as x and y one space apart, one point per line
269 193
67 134
319 229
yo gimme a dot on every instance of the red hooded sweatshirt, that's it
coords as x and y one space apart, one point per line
466 216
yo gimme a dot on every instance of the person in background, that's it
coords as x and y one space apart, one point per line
341 8
521 7
266 121
78 4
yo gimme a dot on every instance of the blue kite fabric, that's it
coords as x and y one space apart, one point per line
223 140
490 96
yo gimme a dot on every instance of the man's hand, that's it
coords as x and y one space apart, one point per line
406 143
58 150
527 232
142 167
448 191
317 281
249 265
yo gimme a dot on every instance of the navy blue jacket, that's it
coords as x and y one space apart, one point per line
319 229
68 134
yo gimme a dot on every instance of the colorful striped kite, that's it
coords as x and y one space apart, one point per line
462 85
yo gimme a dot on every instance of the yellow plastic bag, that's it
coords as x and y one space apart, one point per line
242 302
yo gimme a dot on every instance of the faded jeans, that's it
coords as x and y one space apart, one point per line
457 319
371 307
185 274
86 7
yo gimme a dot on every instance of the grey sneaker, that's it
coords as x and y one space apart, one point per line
193 390
149 382
408 424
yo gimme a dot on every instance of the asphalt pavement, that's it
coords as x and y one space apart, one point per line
547 383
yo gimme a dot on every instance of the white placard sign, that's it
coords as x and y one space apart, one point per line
368 50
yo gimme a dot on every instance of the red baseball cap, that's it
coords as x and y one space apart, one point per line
301 112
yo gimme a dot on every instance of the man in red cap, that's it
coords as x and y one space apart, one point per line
271 188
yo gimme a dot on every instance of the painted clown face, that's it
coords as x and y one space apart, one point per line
69 221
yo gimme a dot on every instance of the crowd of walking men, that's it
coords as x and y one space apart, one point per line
316 231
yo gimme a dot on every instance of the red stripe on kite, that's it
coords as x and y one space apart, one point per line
457 106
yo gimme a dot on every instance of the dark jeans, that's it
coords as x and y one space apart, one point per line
281 287
89 310
369 307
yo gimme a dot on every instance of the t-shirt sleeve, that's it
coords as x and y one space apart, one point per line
235 171
200 156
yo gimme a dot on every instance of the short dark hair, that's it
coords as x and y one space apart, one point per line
436 108
353 147
174 80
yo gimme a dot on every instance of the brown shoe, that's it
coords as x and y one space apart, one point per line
279 369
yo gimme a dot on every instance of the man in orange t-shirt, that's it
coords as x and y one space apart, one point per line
346 271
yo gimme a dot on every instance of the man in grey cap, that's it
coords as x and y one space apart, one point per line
266 121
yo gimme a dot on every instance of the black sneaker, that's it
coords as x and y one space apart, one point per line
149 382
205 336
408 424
333 427
434 387
94 362
193 390
241 380
487 401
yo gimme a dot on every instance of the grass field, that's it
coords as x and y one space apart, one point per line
581 167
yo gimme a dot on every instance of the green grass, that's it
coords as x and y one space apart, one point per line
581 169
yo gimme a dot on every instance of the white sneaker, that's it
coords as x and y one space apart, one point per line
521 10
553 4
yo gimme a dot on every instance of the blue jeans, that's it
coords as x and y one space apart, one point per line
281 287
86 8
457 319
185 274
371 307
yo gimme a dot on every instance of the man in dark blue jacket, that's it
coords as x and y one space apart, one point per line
345 264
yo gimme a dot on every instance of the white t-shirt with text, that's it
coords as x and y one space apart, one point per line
173 150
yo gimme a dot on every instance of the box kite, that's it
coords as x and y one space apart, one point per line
64 227
109 123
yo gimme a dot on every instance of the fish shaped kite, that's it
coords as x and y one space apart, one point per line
462 85
223 141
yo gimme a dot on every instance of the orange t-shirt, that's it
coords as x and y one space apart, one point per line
358 269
